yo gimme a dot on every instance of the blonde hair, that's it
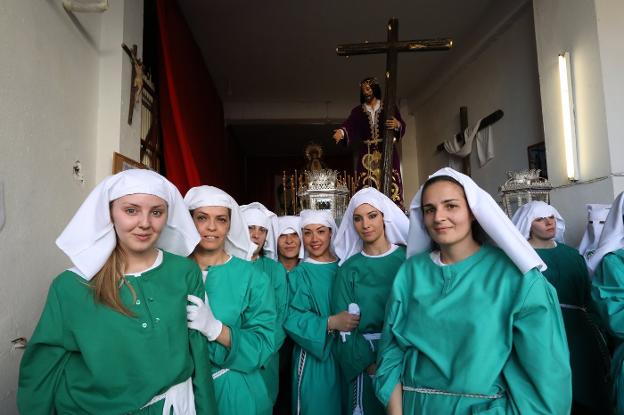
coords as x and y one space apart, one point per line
107 283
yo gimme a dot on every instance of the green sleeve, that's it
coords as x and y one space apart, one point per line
538 371
203 388
45 357
281 303
581 268
254 341
592 311
608 293
354 353
391 352
303 324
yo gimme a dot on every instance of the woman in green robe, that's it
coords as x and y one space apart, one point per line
544 228
239 319
367 243
470 328
607 263
289 248
316 376
113 336
262 225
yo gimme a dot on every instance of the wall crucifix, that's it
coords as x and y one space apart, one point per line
391 48
458 145
137 78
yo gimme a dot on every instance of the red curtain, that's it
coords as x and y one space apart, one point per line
194 141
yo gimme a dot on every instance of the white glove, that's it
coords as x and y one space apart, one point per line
354 309
200 318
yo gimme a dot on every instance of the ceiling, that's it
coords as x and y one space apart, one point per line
284 50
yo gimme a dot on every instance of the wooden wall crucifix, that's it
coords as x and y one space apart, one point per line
391 48
137 78
460 137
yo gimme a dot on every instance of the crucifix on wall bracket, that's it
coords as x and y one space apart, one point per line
391 48
137 78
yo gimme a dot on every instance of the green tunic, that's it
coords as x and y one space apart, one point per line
567 272
242 298
86 358
277 276
365 281
608 294
316 380
483 336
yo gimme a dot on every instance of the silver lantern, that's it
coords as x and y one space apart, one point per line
522 187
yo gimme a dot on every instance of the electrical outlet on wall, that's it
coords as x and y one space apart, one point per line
78 172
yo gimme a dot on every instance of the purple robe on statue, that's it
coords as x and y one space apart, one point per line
366 131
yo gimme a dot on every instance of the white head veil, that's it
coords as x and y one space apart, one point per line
489 215
348 242
524 217
238 242
89 238
286 225
612 237
256 214
596 217
320 217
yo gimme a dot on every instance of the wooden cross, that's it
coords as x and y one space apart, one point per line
391 48
463 124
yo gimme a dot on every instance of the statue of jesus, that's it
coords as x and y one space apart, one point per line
362 129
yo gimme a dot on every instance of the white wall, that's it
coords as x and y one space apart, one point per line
591 31
51 64
503 75
570 25
409 155
124 24
610 18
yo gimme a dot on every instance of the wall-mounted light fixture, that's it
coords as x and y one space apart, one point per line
569 121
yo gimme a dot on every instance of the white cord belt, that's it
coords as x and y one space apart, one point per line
219 373
179 397
370 337
300 368
358 390
572 307
431 391
358 383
